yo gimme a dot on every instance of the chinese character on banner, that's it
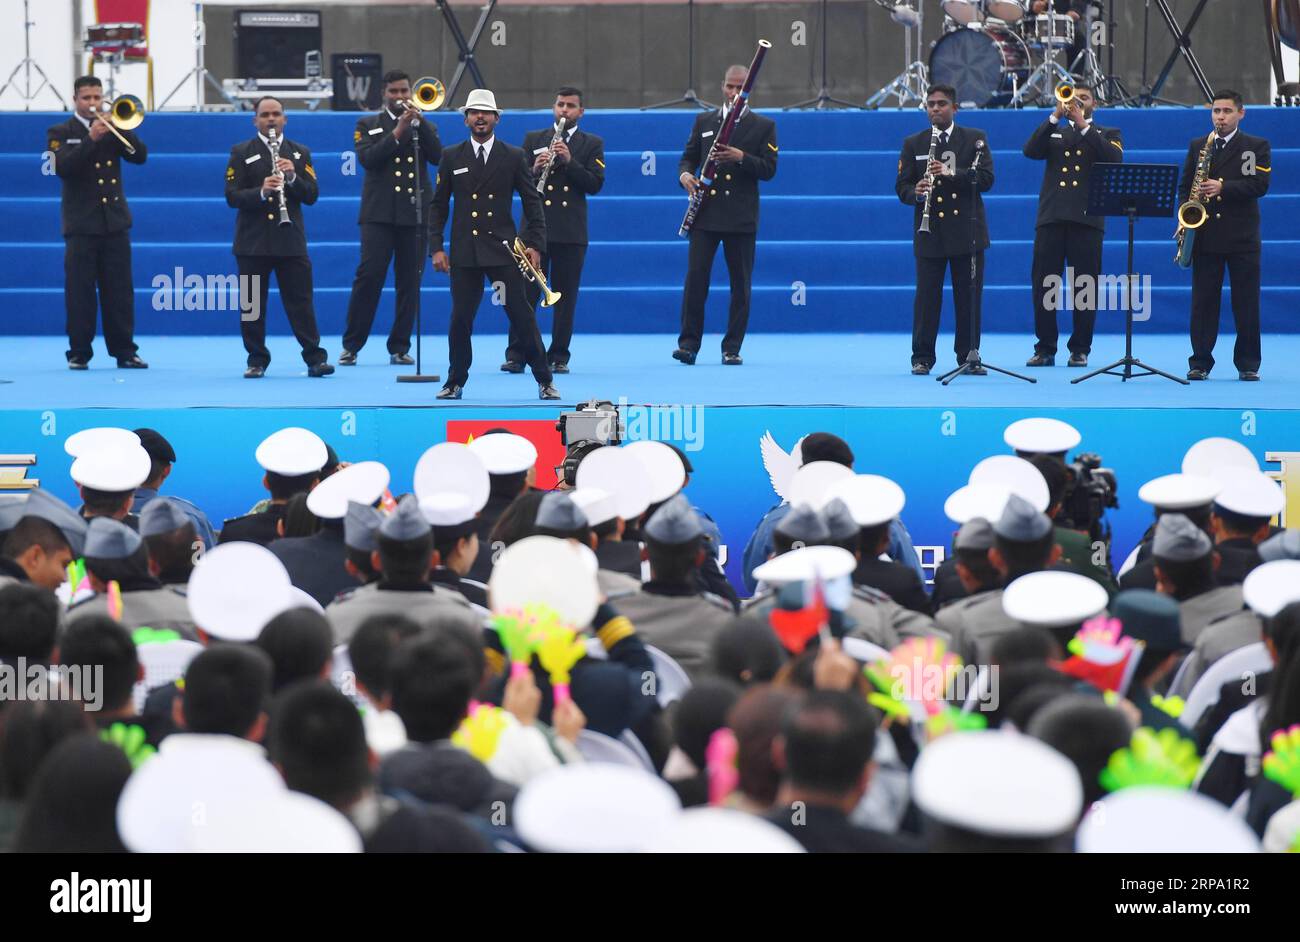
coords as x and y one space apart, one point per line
541 432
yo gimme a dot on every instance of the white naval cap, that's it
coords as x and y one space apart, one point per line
112 467
811 484
806 564
1016 475
975 501
286 822
1271 587
447 509
453 467
871 498
1157 820
999 783
1179 491
97 439
662 465
617 472
363 482
1218 458
722 831
595 808
1053 598
292 452
598 505
1041 436
237 588
1251 494
504 452
544 570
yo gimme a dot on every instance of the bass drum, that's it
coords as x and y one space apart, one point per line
984 65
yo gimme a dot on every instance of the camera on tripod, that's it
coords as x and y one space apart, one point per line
591 425
1091 492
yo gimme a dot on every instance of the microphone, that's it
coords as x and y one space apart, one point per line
979 150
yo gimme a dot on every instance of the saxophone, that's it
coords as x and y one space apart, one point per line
1192 214
929 177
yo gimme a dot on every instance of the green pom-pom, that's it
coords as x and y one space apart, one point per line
1162 759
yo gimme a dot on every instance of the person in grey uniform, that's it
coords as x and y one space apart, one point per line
172 540
559 514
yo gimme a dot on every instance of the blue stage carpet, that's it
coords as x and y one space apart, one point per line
870 370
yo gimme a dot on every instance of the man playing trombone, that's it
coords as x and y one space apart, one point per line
483 173
391 224
88 155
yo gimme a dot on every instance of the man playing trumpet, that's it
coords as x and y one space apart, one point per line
88 157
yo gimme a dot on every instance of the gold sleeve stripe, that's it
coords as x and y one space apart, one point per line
1264 169
773 146
308 169
1118 144
496 661
614 631
601 162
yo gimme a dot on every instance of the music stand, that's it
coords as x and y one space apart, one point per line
1131 190
422 238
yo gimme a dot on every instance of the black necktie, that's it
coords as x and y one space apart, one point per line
1219 144
482 154
943 138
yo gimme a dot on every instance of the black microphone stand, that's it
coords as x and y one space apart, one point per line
421 239
973 361
688 97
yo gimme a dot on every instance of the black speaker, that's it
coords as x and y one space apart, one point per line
277 43
358 80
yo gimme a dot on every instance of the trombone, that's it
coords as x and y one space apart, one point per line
427 94
125 112
531 272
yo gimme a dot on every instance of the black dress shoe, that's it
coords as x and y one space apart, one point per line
1041 359
132 362
1198 374
920 369
682 355
78 365
977 370
255 372
347 358
547 391
320 369
1078 359
1248 376
510 366
559 367
731 359
449 392
398 359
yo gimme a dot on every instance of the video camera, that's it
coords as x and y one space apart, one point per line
592 424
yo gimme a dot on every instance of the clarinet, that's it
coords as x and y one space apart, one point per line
550 161
274 140
929 193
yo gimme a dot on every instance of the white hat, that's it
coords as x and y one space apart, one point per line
1053 598
1155 820
811 484
363 482
503 453
237 588
544 570
1016 475
986 501
663 468
871 499
1040 436
616 471
1271 587
1251 494
286 823
1179 491
97 439
1282 830
300 599
292 452
598 505
447 509
805 564
453 467
722 831
480 99
112 467
594 808
1214 457
999 783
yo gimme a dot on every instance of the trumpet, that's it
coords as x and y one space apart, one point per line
531 272
1064 94
427 94
125 112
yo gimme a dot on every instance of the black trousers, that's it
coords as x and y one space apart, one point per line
1057 245
103 262
929 302
562 265
466 295
293 275
380 243
1207 295
738 250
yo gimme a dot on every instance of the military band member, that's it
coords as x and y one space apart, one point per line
948 243
483 173
392 226
96 219
728 215
262 246
1240 169
577 171
1065 234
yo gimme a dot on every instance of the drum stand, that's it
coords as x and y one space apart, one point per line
1044 79
28 94
909 85
199 73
